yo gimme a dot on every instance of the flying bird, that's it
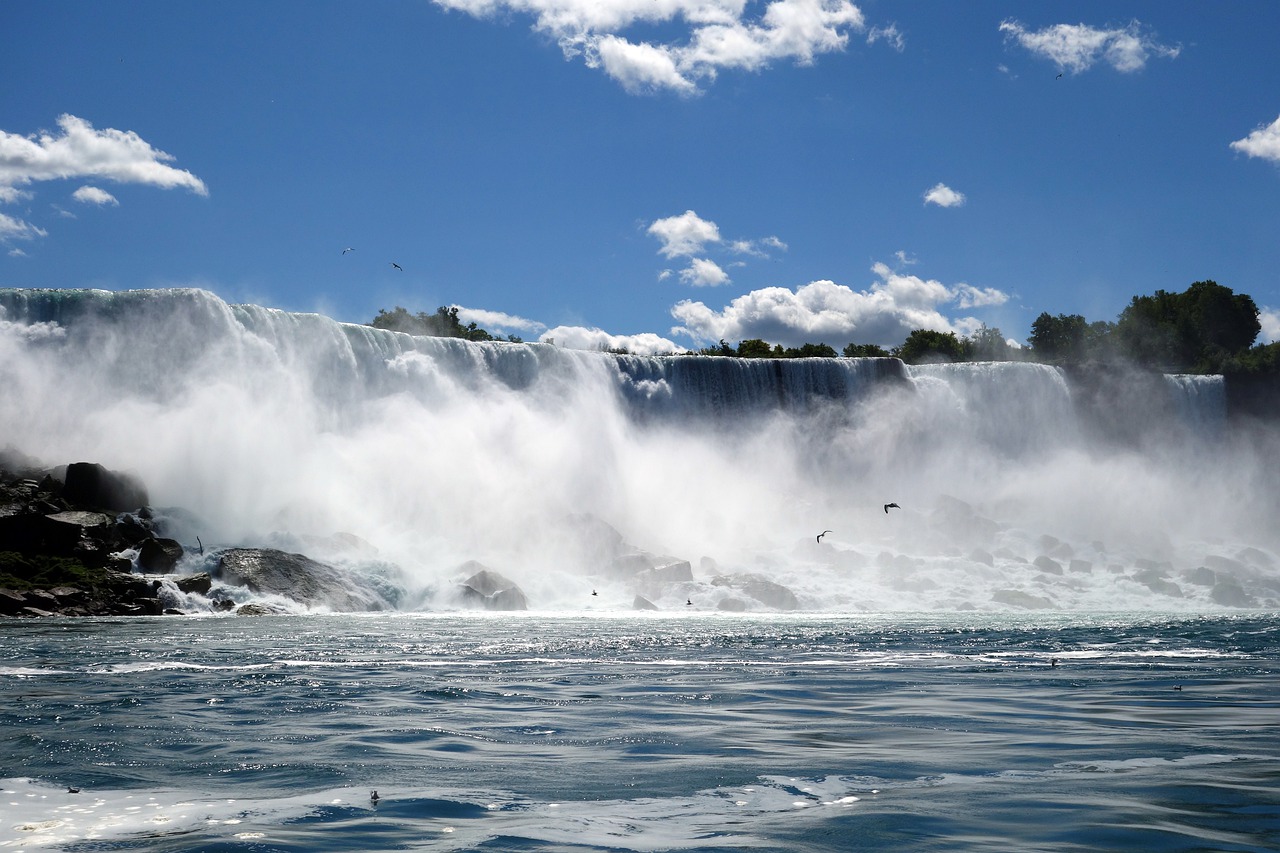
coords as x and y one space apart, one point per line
1059 76
823 533
688 602
888 507
348 249
397 266
593 592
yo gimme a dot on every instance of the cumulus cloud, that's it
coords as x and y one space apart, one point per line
93 195
684 235
713 35
1078 47
82 151
491 320
1263 142
823 311
943 196
1270 320
704 273
581 337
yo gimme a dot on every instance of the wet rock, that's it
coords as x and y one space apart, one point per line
760 588
11 602
642 603
159 556
253 610
651 581
978 555
1082 567
295 576
1154 580
1025 600
1229 593
1047 565
91 484
732 605
491 590
199 583
1202 576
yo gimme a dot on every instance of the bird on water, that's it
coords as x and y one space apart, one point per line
888 507
373 798
823 533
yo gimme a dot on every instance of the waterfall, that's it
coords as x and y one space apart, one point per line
268 426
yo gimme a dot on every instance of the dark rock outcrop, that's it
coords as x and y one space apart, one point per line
90 484
490 590
296 577
763 590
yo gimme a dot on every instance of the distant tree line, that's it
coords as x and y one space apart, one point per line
1204 329
442 324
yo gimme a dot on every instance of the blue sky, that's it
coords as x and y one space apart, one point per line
648 173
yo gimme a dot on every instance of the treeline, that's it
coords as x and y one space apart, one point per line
442 324
1205 329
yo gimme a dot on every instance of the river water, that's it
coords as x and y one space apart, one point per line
612 731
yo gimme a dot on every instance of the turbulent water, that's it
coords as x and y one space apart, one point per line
1065 639
399 459
641 732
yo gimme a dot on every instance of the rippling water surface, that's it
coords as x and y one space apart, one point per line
641 733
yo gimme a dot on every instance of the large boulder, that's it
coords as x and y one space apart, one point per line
296 577
491 590
158 555
90 484
763 590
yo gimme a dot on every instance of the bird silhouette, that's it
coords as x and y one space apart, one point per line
73 790
688 602
348 249
1059 76
593 592
888 507
397 266
373 798
823 533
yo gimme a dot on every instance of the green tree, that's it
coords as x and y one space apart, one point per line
1199 329
442 324
927 345
754 348
1059 340
987 344
721 349
865 351
810 351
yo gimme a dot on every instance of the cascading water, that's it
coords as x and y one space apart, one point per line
285 429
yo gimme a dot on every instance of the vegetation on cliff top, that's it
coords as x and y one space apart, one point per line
1205 329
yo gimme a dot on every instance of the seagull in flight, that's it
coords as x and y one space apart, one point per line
823 533
397 266
348 249
888 507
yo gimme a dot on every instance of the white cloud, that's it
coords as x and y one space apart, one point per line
890 35
717 35
704 273
491 320
823 311
684 235
16 229
580 337
1263 142
943 196
1078 47
93 195
12 195
17 253
82 151
1270 320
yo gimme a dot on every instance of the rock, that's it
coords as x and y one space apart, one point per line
159 556
762 589
651 581
627 566
1154 580
491 590
1047 565
253 610
1230 594
297 577
978 555
732 605
1083 567
1202 576
73 530
1025 600
11 602
91 484
642 603
199 583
